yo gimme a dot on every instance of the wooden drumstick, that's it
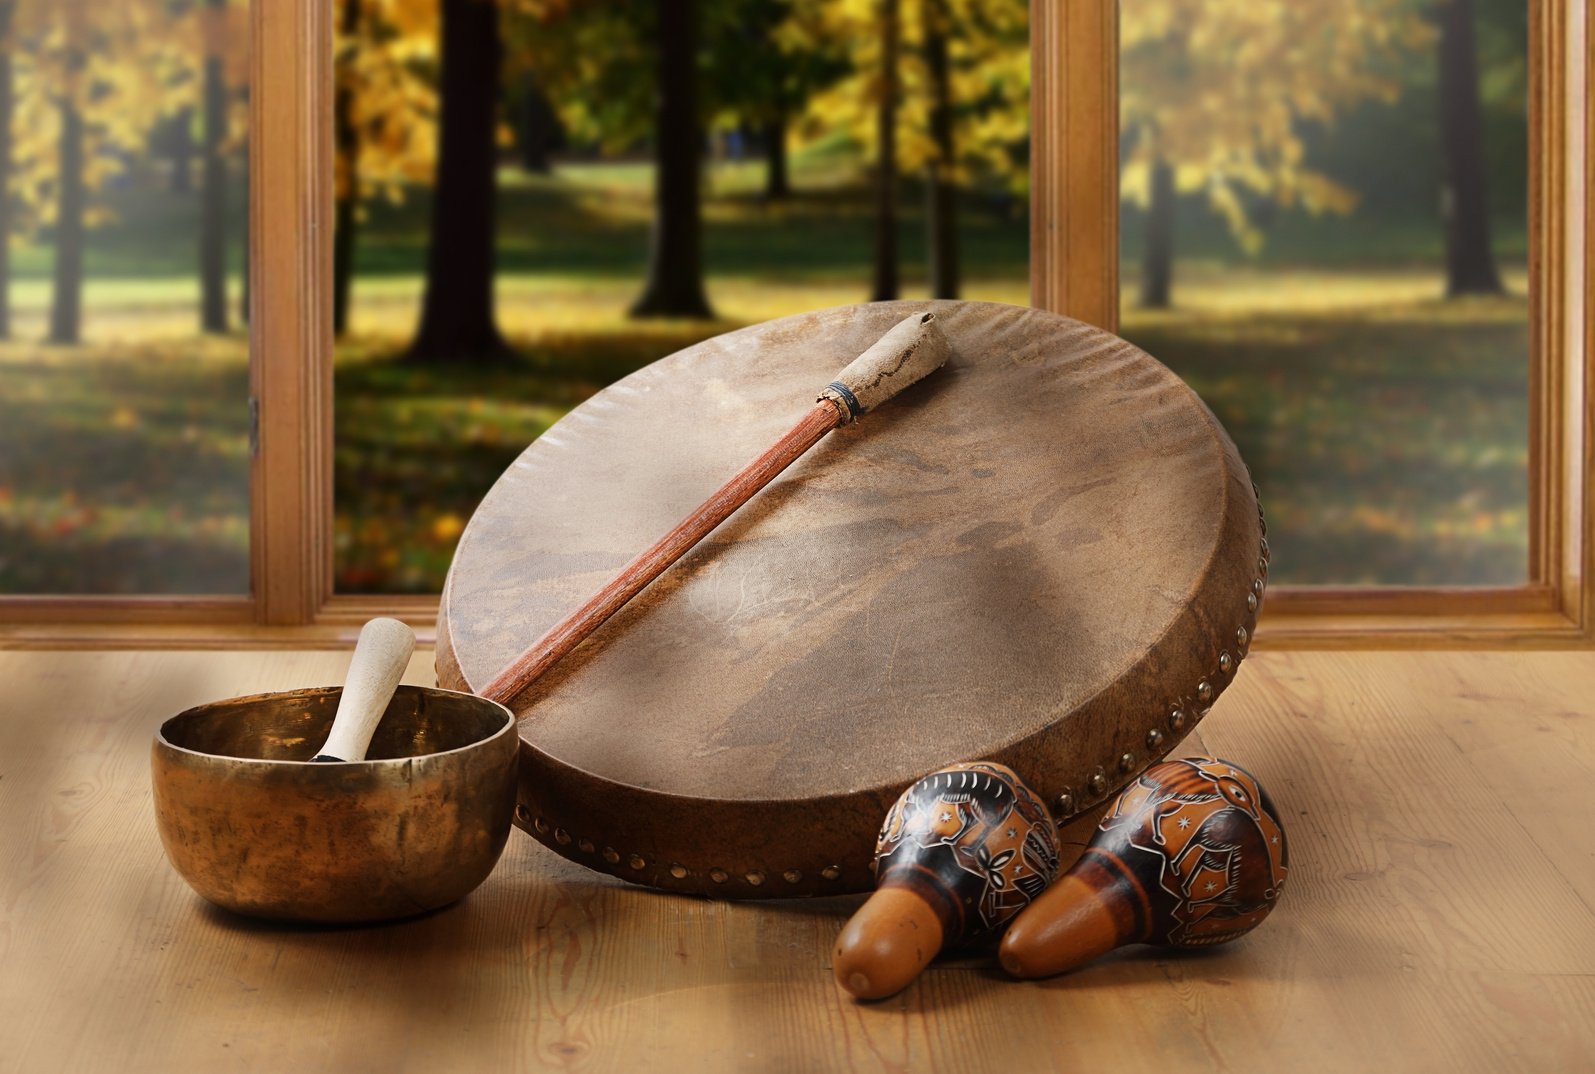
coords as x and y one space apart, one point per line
913 348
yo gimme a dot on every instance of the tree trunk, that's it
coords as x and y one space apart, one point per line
1464 204
213 207
1157 256
941 192
66 298
245 285
675 256
537 128
343 233
7 108
182 151
885 285
457 318
346 143
777 175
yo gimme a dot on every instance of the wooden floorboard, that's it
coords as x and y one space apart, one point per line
1438 916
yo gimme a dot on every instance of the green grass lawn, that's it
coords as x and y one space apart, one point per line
1387 428
124 468
1389 436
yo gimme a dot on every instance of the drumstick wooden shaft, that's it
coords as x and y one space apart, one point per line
913 348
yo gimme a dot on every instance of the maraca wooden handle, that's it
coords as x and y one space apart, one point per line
915 347
380 657
1073 923
886 944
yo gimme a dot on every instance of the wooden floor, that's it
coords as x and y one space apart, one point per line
1440 916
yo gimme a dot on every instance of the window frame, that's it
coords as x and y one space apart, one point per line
1074 271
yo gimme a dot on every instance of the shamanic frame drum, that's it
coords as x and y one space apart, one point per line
1048 555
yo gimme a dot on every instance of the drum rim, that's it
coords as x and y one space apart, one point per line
552 823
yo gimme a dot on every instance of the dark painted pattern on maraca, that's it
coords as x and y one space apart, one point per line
971 828
1209 826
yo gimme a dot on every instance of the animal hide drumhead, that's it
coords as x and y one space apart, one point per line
1048 554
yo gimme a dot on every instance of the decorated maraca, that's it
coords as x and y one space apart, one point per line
961 852
1191 854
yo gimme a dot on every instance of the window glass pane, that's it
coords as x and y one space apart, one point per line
1324 232
124 444
493 279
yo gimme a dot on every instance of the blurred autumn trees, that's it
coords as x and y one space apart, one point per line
1229 101
8 107
86 89
1217 96
934 89
798 153
938 87
1222 99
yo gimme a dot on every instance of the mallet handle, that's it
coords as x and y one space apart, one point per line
380 657
910 350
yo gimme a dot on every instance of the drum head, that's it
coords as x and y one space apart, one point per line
1047 554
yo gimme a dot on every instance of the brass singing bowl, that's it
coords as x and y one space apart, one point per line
415 826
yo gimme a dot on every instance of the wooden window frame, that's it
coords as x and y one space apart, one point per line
1074 270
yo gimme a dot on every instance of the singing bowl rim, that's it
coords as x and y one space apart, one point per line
379 839
325 693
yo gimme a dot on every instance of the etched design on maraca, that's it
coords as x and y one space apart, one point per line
970 820
1204 821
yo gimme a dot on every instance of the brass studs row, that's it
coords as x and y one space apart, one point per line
1064 804
636 861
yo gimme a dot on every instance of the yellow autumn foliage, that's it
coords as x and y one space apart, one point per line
385 67
1220 90
121 67
989 61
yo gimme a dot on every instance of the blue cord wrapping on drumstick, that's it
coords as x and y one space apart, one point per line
854 410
